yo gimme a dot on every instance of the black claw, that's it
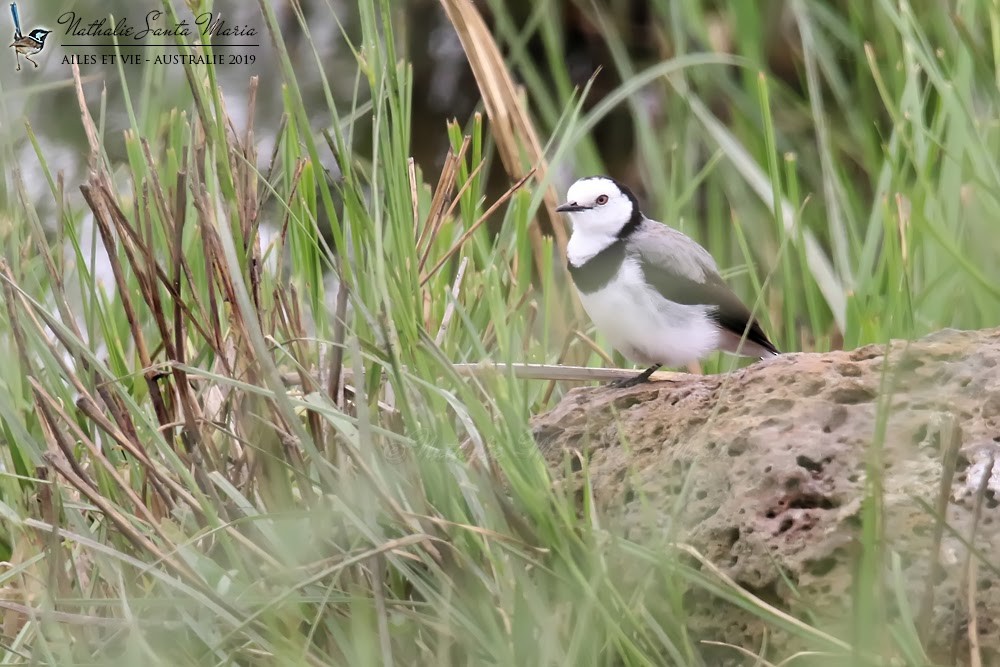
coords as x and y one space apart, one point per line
627 382
637 380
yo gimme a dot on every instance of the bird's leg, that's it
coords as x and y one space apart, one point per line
638 379
32 61
17 57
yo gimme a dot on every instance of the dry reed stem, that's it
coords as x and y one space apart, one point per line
967 593
476 225
513 130
442 194
521 371
951 441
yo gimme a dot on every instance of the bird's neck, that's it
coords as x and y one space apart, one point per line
583 247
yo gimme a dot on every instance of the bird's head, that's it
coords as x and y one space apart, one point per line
40 34
600 205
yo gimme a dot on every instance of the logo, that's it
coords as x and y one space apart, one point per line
26 45
198 31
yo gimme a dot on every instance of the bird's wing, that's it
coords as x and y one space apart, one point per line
684 272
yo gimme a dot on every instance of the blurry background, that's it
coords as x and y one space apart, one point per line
202 463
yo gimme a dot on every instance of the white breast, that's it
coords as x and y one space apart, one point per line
582 246
644 326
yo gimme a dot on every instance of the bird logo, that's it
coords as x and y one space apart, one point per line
26 45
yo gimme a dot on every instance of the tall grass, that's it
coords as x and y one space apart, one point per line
258 453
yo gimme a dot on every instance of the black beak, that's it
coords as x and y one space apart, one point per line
570 207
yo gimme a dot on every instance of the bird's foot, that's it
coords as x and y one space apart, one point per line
636 380
625 383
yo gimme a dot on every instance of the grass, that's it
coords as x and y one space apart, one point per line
249 452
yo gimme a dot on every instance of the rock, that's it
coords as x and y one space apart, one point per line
772 462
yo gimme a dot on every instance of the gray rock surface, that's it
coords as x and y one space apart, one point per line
765 470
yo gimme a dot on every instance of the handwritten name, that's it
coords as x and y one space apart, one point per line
206 23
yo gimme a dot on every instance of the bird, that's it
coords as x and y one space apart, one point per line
654 292
27 45
30 44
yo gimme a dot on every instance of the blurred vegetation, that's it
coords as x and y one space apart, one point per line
257 435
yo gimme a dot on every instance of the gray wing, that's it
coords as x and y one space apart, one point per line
684 272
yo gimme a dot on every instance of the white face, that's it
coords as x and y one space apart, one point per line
597 206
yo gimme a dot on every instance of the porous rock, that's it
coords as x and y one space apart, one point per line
764 470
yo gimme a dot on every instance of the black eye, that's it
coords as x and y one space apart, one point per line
601 200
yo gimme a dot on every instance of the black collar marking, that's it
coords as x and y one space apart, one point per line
600 269
637 216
